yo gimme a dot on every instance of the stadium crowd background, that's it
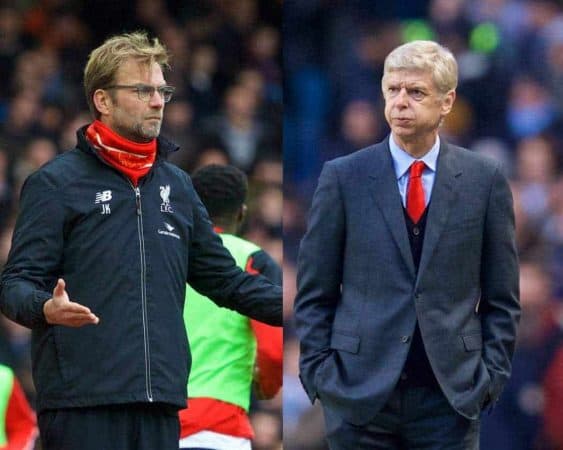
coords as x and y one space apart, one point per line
226 67
509 106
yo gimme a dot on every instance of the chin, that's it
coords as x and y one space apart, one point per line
150 133
403 132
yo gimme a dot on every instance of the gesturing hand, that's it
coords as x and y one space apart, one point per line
59 310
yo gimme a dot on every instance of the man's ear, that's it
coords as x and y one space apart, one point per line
242 213
102 101
448 102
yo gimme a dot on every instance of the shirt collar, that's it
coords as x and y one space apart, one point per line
402 160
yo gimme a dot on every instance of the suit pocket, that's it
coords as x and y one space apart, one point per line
340 342
318 376
472 342
344 342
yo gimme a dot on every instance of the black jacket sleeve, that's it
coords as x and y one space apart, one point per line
264 264
214 273
37 247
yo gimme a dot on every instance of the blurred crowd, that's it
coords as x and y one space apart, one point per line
509 107
227 108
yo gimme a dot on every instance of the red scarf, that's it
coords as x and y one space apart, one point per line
132 159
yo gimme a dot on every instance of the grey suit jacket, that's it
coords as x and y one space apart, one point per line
359 295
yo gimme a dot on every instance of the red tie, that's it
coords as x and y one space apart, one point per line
415 192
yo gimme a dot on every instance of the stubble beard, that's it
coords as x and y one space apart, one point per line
148 132
136 130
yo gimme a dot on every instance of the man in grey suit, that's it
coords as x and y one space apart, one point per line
407 303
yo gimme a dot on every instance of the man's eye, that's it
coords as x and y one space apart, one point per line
145 90
417 93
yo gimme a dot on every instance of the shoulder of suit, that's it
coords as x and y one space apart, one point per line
473 160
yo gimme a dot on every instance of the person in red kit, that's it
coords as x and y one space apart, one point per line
107 236
18 430
231 353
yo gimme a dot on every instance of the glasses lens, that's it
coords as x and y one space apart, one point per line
145 92
166 92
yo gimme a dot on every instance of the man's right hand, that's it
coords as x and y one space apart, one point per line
59 310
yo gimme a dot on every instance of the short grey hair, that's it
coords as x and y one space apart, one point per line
427 56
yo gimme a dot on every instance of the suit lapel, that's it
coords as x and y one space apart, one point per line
384 189
443 196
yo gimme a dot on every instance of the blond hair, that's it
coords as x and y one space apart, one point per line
427 56
104 61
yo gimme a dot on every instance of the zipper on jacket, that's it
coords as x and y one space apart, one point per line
143 292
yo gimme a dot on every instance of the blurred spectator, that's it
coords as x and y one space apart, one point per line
11 44
531 109
516 423
37 152
553 397
201 82
239 129
18 127
536 168
552 234
264 49
6 190
177 126
270 428
360 126
295 401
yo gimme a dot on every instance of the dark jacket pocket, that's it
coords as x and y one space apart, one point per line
472 342
344 342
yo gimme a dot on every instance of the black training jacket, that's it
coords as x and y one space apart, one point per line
127 254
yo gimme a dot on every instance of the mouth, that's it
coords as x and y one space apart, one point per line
402 121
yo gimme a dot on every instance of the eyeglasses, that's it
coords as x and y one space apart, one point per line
145 91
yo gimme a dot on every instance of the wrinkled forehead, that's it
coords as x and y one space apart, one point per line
409 77
134 70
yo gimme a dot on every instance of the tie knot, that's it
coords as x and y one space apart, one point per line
417 168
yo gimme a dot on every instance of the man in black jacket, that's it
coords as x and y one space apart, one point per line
107 237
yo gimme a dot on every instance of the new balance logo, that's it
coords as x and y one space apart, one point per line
104 196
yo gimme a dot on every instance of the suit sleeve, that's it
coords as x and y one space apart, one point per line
35 255
319 276
213 273
500 306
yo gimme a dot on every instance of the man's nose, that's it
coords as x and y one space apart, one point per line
156 100
402 98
